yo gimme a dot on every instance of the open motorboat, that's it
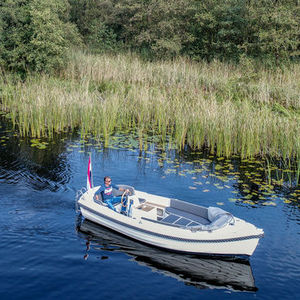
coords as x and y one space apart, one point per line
170 223
193 270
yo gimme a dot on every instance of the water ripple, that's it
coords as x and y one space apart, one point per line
35 177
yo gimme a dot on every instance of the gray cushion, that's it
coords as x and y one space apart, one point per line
189 216
213 212
219 217
189 208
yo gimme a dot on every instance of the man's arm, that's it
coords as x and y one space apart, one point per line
97 194
125 190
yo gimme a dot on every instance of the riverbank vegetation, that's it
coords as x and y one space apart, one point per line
212 104
207 74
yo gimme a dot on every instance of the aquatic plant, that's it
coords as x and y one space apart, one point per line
222 107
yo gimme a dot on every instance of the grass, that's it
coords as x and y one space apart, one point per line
229 109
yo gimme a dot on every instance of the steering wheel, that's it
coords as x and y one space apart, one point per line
122 199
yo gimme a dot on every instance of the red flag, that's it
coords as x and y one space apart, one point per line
89 179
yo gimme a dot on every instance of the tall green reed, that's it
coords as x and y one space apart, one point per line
215 105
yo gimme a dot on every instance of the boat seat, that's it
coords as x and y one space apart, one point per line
142 200
186 216
99 200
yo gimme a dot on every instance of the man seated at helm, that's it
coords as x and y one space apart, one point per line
106 192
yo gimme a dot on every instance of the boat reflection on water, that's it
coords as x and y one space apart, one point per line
201 272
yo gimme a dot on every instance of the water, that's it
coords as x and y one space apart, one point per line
47 253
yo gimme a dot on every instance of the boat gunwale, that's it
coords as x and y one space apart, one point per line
234 257
226 240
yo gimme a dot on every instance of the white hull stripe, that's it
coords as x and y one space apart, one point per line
249 237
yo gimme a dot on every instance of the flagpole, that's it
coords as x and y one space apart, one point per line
89 179
92 177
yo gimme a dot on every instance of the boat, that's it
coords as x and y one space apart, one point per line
193 270
170 224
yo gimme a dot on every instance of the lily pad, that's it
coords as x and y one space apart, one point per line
233 199
270 203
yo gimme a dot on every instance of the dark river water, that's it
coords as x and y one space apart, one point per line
47 251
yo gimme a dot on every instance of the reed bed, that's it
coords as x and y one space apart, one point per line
229 109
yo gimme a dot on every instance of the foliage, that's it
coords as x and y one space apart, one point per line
35 34
222 29
159 27
275 30
92 21
219 29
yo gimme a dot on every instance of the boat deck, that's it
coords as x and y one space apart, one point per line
182 218
173 216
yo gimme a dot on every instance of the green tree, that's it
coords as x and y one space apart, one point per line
275 29
14 38
219 29
1 42
158 27
93 22
153 27
267 30
35 35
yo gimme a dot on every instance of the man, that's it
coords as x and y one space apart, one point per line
106 192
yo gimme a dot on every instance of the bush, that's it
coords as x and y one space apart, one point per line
34 35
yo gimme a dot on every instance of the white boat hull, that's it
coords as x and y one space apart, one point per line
239 239
202 272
